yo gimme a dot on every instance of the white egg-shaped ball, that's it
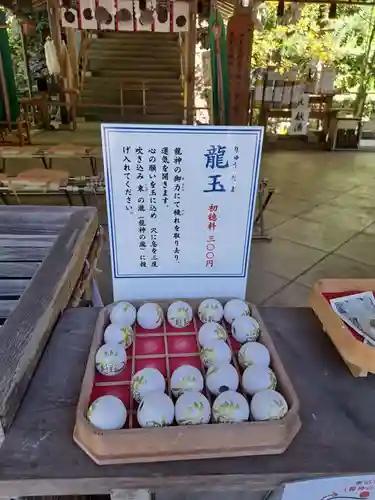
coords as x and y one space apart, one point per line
145 381
107 413
115 334
253 353
245 329
215 353
235 308
230 407
179 314
123 314
210 310
211 331
150 316
258 378
268 405
186 378
155 410
192 408
110 359
222 378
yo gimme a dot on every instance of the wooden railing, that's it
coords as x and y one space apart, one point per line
131 88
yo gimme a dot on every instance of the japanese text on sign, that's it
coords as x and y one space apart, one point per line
334 488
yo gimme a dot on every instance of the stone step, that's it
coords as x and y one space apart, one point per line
130 60
147 74
137 36
143 44
115 81
153 108
131 118
157 57
133 64
129 97
174 90
157 54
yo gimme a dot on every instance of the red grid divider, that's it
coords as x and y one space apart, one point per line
165 348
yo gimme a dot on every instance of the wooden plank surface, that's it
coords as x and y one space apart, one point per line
21 270
23 254
6 307
33 220
29 325
337 435
12 287
27 240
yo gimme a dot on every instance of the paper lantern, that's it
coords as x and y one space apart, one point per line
180 17
87 15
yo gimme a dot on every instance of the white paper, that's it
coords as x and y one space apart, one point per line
333 488
88 24
125 25
204 200
303 101
278 94
258 92
287 95
64 22
268 93
180 9
299 121
357 311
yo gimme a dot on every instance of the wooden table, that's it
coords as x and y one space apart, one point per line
49 153
39 457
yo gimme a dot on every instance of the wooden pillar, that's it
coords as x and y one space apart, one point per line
190 62
54 26
55 29
72 50
26 62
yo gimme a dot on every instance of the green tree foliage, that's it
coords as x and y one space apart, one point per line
34 50
347 42
16 51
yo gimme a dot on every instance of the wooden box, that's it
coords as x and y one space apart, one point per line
134 444
42 255
359 356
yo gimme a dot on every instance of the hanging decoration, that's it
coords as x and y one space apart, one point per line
87 15
69 17
127 15
144 15
256 16
180 16
162 18
52 61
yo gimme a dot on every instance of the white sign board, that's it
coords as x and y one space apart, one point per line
181 202
333 488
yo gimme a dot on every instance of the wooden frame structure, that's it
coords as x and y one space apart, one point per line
50 245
